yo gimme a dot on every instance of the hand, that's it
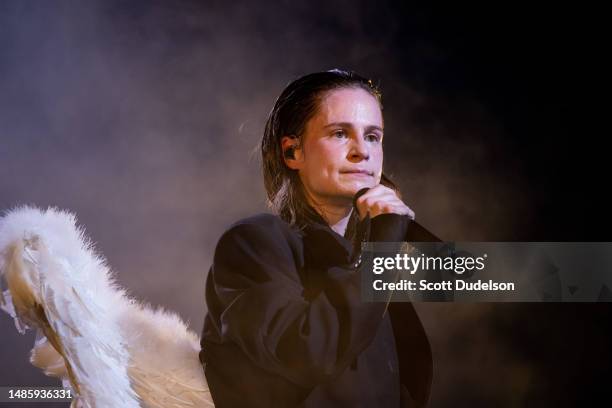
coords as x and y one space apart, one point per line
382 200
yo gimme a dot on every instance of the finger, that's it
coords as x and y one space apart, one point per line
405 210
411 214
384 198
379 206
365 202
387 208
375 192
381 200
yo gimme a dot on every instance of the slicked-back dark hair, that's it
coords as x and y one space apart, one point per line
296 105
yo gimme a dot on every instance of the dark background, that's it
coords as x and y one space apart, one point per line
141 117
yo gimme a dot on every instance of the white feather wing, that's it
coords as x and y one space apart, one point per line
174 378
115 352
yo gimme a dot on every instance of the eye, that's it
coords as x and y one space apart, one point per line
339 134
373 137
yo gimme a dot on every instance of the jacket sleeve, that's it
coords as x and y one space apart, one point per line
261 307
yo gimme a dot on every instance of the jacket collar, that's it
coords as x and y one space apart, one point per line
330 248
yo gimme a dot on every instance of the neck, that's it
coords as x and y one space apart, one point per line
338 222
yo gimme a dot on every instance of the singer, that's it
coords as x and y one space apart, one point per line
285 324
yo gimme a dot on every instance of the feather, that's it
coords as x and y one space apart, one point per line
46 357
110 349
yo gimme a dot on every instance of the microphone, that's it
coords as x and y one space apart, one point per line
415 232
419 236
358 195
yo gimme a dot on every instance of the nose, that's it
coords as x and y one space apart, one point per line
359 150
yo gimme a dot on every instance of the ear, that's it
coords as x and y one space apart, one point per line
292 152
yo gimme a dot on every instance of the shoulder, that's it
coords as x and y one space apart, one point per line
263 223
257 246
264 220
259 230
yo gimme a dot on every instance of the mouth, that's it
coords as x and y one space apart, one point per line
360 173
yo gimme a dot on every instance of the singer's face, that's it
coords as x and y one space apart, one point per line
342 146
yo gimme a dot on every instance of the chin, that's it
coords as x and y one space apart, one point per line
353 188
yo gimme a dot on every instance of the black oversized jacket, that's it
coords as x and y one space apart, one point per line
286 326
